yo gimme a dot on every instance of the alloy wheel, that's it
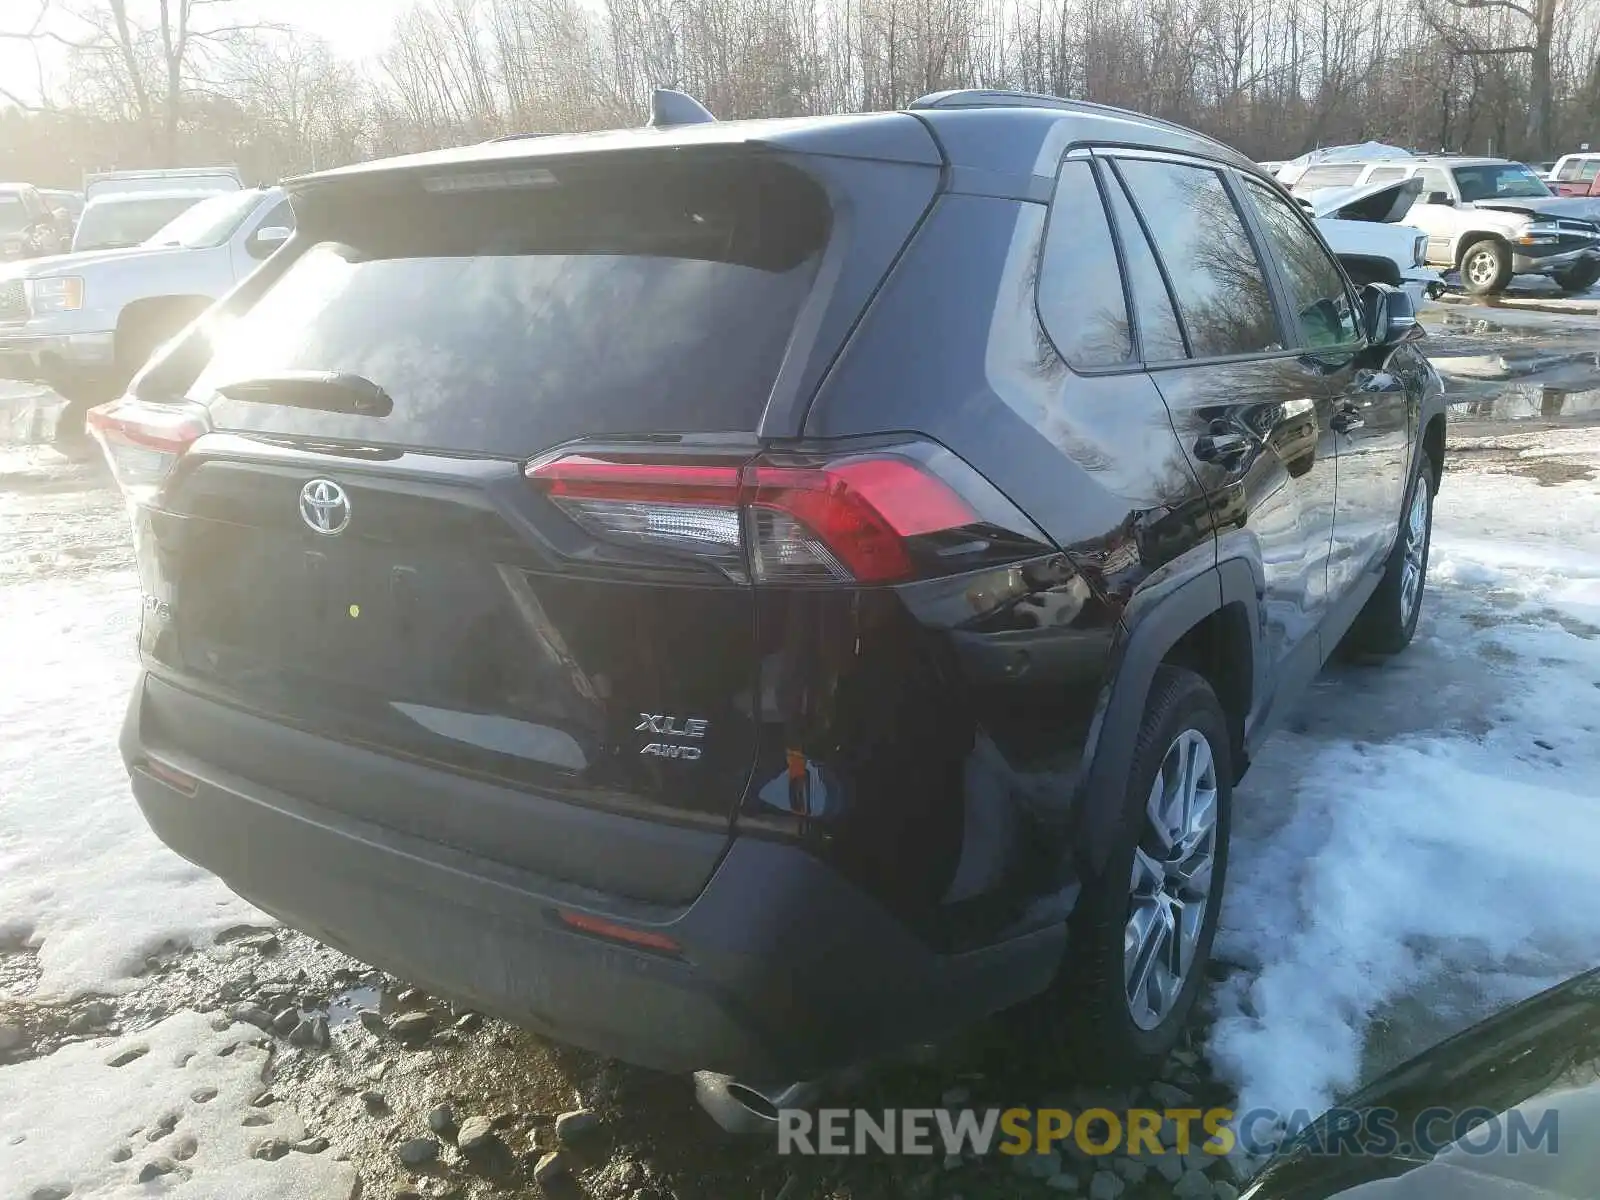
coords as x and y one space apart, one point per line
1415 535
1170 887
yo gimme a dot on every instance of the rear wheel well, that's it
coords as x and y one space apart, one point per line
1218 649
1433 443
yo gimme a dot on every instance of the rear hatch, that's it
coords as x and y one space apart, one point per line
355 548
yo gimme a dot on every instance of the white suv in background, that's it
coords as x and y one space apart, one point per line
1486 217
85 323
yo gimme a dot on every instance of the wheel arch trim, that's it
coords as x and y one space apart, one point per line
1142 650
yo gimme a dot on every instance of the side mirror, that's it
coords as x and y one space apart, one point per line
1388 316
1439 198
267 239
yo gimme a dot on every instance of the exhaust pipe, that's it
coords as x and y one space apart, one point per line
748 1108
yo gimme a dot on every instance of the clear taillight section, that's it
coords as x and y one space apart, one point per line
678 507
143 441
881 516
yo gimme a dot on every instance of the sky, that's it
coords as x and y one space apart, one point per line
356 28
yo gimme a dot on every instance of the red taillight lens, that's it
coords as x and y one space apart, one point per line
878 517
846 520
143 441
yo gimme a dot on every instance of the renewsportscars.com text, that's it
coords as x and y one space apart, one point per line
1217 1131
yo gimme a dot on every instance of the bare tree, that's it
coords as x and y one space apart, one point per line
1274 77
1529 28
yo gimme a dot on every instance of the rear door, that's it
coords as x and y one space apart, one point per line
1253 415
1371 416
358 551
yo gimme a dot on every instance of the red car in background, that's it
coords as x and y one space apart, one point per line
1576 175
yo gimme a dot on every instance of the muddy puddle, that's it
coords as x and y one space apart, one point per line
1531 401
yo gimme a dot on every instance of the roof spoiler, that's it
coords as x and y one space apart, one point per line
670 107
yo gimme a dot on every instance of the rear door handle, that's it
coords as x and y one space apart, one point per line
1221 447
1347 418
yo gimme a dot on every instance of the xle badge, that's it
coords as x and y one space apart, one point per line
673 727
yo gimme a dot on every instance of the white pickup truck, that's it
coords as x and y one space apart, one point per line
84 323
1486 217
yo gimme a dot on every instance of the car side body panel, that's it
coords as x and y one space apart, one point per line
1024 657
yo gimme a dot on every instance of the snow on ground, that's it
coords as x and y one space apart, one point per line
1415 849
83 881
167 1111
1389 889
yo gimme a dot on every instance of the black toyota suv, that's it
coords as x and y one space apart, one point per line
746 596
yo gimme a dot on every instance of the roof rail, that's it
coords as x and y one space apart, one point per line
989 98
999 98
670 107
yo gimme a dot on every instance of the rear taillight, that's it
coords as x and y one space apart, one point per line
143 441
884 516
679 507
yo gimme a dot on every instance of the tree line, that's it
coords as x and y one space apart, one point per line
127 83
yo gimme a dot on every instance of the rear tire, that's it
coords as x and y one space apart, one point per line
1141 934
1389 620
1579 278
1486 267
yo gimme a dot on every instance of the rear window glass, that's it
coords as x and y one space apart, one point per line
1160 336
1387 174
1220 287
1080 287
1328 176
633 299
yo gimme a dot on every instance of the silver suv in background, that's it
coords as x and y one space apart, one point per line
1488 218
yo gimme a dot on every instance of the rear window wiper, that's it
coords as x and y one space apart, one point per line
328 391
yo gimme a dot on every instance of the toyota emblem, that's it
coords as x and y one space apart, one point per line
324 507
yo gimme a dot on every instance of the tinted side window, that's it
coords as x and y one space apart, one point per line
1569 168
1221 290
1080 289
1160 335
1316 288
1591 168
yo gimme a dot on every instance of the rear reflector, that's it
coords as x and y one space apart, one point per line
171 776
878 517
143 441
600 927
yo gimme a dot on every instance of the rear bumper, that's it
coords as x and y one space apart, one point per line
786 969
